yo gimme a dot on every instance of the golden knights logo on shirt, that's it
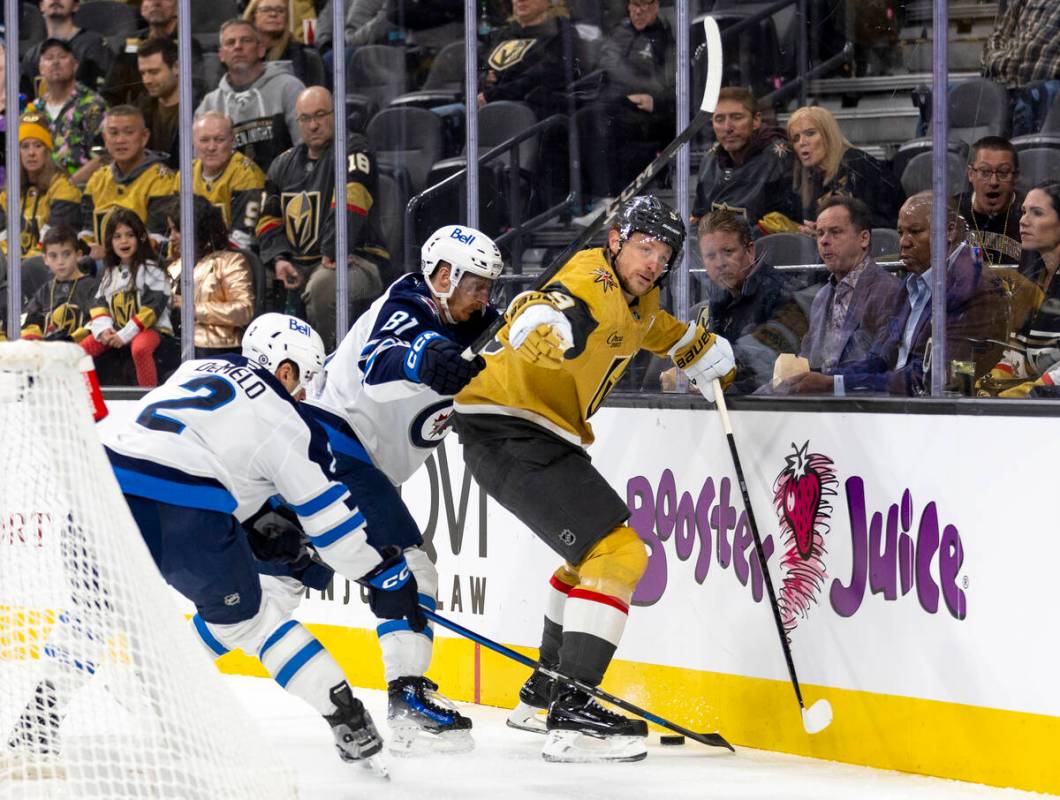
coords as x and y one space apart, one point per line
301 218
65 317
123 305
508 54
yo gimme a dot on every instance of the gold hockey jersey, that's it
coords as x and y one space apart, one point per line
237 191
608 332
143 190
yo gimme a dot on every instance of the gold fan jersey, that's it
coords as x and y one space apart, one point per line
141 191
60 204
608 332
237 191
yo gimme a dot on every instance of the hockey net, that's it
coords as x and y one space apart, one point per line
104 692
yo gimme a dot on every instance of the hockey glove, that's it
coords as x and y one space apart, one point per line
438 363
275 537
704 356
541 335
392 590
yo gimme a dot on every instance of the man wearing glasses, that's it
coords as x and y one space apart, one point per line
297 224
992 208
258 97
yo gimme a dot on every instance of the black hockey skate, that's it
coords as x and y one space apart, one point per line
534 698
423 721
580 729
356 737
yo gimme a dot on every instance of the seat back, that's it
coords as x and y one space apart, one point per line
884 242
207 15
501 120
1037 165
977 108
407 141
785 249
447 69
378 72
916 177
391 204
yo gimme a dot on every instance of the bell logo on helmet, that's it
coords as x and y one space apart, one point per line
460 236
301 327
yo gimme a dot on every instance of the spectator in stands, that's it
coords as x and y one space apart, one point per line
224 289
258 97
123 84
94 57
851 310
992 209
47 194
827 165
131 313
60 308
3 106
634 117
297 225
976 315
749 168
160 103
228 179
1032 364
137 179
747 300
1025 44
74 112
270 17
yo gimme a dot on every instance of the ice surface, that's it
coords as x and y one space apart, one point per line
507 764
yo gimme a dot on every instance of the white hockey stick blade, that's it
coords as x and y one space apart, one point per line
712 87
817 717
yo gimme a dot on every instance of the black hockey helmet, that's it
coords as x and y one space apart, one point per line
649 215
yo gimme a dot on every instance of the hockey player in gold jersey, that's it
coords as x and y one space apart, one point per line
524 424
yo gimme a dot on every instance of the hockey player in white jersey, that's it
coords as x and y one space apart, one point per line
206 450
385 403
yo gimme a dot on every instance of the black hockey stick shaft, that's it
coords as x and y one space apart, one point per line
719 400
711 739
646 176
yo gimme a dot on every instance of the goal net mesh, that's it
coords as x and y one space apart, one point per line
104 691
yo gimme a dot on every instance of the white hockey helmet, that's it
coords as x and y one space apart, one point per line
464 249
274 338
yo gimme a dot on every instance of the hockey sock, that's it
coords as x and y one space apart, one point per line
559 586
596 610
299 663
406 653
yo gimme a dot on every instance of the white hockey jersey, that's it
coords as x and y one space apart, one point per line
371 409
224 435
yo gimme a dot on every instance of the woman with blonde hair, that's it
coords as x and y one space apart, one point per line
827 164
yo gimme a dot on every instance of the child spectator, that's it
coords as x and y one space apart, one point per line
132 302
60 308
224 290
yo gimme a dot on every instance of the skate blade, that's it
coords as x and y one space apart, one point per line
574 747
379 766
527 718
410 740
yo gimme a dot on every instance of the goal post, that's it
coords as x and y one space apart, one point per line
104 691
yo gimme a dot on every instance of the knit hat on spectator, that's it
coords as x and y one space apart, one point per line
35 126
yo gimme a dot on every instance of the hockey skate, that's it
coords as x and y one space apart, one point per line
423 721
534 698
356 737
580 729
35 738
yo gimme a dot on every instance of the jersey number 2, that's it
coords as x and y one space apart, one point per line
218 393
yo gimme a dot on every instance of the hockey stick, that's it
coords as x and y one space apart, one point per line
818 716
711 739
647 175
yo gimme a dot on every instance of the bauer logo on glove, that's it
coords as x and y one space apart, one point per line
704 356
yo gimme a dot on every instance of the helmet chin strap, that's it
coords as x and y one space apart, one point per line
443 299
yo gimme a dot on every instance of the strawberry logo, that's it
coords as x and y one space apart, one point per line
800 497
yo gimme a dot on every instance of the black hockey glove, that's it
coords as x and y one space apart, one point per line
275 537
392 590
437 362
